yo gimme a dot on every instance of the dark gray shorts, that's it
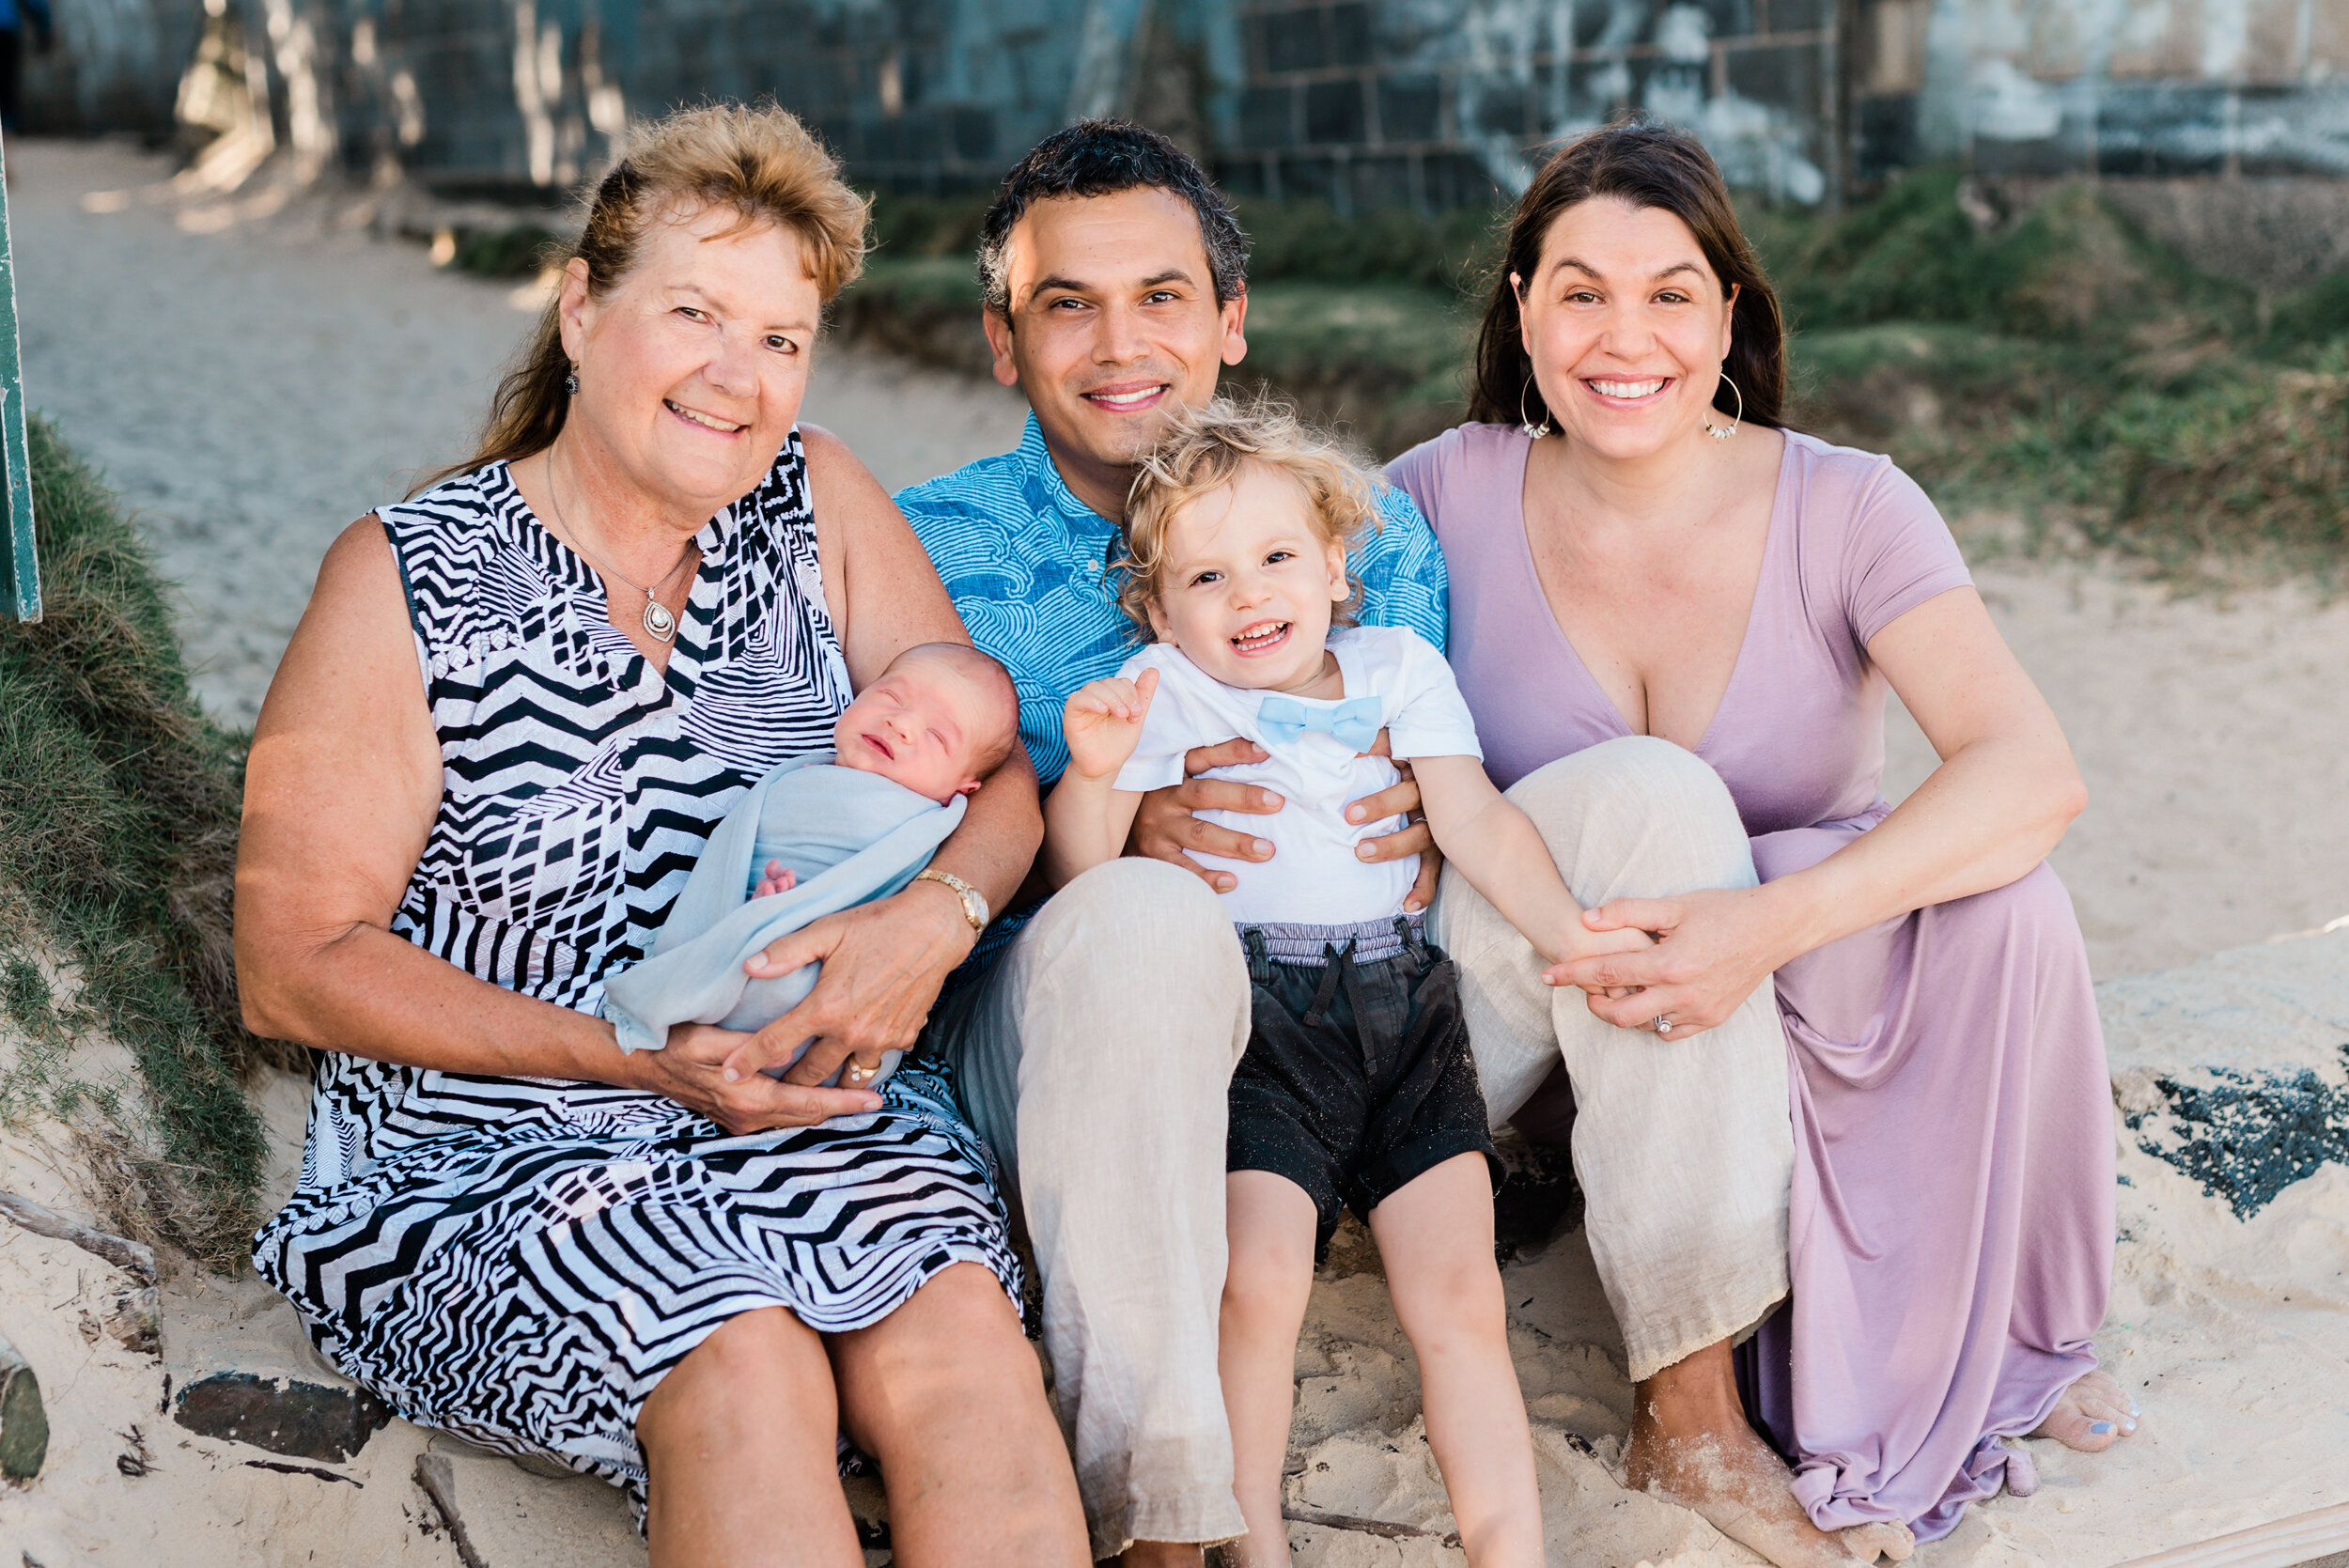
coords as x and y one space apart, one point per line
1357 1077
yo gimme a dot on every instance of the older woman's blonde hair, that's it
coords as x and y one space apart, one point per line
761 162
1203 450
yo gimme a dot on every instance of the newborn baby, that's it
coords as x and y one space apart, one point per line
940 718
819 834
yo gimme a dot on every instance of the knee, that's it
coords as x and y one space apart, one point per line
750 1344
959 1333
2032 917
1635 790
1638 775
753 1363
1459 1301
1131 912
1267 1284
1132 894
2035 903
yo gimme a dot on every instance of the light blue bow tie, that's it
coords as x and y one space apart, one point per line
1353 722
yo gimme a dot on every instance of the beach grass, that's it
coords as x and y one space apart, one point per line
118 807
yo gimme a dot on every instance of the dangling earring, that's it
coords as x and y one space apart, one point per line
1532 431
1715 431
570 382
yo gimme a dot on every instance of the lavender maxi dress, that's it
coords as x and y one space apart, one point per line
1952 1204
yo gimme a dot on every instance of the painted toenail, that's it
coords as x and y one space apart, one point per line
2100 1428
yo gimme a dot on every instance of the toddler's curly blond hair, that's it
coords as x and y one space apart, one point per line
1201 451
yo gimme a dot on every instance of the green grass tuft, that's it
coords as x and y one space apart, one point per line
2057 361
119 802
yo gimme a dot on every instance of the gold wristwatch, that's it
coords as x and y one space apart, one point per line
974 908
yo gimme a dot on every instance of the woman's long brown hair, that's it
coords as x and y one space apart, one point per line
1651 165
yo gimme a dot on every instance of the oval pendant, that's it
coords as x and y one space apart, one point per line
659 622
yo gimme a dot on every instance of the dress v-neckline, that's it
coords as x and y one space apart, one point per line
1745 642
624 664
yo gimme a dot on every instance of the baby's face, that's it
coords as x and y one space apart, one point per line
922 724
1250 581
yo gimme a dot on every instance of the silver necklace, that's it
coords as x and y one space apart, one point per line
660 625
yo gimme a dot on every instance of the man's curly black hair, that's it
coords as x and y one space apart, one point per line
1100 158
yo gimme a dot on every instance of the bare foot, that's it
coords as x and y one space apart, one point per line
1162 1554
1690 1445
2093 1414
1891 1539
1741 1488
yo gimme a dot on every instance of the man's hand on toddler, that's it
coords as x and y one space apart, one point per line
1168 827
1400 798
1167 824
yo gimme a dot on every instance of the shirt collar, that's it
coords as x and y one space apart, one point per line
1044 474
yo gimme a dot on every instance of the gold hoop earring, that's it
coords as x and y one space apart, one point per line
1532 431
1715 431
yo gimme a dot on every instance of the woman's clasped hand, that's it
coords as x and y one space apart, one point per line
1706 952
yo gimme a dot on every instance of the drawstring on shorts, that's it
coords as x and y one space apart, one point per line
1337 964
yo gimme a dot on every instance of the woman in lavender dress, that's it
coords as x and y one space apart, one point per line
1636 549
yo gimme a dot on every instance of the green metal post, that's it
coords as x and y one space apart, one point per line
19 569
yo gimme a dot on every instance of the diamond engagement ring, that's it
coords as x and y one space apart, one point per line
859 1072
1663 1024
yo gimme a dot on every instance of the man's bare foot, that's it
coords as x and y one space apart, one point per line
1164 1554
1743 1490
2093 1414
1690 1445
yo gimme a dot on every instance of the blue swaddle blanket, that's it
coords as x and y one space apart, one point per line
851 837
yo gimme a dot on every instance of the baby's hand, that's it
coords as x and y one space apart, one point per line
779 878
1102 722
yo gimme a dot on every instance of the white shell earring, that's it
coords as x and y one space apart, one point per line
1715 431
1532 431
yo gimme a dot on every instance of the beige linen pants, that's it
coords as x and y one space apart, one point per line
1095 1060
1684 1148
1097 1057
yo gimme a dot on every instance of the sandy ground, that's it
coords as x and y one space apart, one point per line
2234 1336
253 381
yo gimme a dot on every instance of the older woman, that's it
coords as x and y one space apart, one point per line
515 709
1676 623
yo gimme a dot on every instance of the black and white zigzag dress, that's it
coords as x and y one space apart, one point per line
520 1261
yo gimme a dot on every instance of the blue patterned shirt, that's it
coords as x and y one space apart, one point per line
1028 565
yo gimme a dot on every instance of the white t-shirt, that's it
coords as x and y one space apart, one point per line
1313 877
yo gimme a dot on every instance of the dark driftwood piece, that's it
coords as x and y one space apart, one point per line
131 1257
438 1478
24 1424
135 1318
1365 1527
